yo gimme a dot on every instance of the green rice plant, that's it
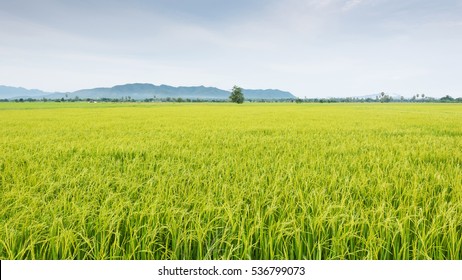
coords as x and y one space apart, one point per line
220 181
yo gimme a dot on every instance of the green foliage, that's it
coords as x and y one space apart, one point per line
447 98
385 98
214 181
236 95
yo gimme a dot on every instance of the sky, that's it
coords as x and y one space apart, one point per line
312 48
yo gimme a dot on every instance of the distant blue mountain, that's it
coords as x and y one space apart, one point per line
140 91
19 92
267 94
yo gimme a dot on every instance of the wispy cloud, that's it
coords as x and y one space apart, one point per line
351 4
309 47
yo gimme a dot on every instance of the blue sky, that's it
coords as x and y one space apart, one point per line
311 48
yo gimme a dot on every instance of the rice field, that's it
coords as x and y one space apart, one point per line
225 181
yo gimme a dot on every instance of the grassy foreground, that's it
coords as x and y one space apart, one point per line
225 181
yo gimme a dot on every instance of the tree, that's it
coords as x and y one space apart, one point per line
236 95
447 98
385 97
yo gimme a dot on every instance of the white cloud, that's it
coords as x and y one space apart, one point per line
309 47
351 4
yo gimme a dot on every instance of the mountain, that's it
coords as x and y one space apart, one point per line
267 94
144 91
13 92
139 91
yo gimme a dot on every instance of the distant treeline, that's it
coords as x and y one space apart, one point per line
382 99
379 99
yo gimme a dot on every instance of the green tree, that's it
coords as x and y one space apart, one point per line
385 97
236 95
447 98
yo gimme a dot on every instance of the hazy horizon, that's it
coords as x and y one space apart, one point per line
310 48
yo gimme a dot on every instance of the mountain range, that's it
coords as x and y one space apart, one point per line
141 91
